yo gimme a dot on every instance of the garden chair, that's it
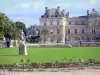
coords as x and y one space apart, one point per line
81 64
48 66
35 66
75 65
98 64
70 65
61 66
91 62
55 66
41 66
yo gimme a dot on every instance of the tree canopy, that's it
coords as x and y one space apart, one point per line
20 25
10 29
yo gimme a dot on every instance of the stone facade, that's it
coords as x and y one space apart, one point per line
57 27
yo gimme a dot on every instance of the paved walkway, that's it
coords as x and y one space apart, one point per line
77 72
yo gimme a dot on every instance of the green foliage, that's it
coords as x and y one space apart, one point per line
20 25
4 21
44 32
8 28
1 36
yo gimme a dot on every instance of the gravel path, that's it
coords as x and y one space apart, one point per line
77 72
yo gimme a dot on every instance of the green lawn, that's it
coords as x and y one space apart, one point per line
10 55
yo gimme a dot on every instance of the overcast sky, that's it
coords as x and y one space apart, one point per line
29 11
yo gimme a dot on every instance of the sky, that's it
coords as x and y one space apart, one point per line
29 11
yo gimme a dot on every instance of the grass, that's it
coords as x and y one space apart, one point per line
10 55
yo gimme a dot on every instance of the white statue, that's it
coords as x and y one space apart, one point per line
22 45
22 36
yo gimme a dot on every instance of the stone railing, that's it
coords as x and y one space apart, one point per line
13 43
73 44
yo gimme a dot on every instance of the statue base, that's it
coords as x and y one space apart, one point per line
22 48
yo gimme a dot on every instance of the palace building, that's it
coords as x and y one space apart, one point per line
56 26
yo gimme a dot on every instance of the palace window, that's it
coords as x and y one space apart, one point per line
82 31
99 22
93 30
75 31
51 39
76 23
58 31
69 23
83 23
57 22
68 31
58 40
44 24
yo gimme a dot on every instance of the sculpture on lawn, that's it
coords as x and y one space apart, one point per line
22 45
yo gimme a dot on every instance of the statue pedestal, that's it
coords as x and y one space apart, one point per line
22 48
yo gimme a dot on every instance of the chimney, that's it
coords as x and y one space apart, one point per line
58 8
46 8
87 12
67 14
63 10
93 10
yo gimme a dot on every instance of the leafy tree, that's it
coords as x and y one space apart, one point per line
44 32
4 23
20 26
10 29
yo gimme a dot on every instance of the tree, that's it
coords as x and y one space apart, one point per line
20 26
4 23
9 29
44 32
16 31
